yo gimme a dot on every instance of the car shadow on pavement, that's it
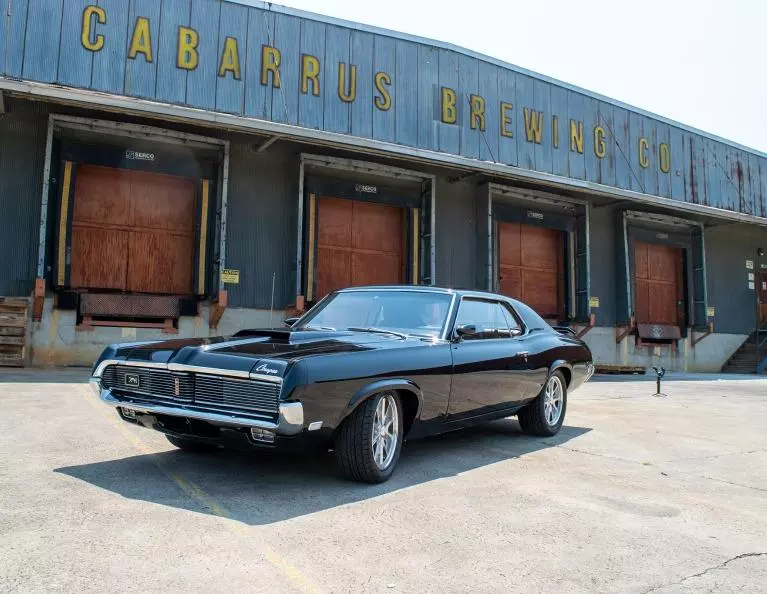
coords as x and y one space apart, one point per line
263 488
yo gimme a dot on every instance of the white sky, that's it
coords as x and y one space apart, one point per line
699 62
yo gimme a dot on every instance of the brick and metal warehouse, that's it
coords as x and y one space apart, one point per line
193 167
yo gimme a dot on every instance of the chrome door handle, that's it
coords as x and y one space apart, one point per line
524 354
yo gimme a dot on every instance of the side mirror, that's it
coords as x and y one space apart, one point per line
290 321
465 330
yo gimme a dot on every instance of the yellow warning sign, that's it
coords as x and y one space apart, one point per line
593 301
230 276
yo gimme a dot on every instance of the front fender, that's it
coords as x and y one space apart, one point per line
382 386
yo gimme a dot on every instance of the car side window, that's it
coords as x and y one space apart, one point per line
514 326
486 317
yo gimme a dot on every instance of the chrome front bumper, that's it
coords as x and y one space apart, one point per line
290 422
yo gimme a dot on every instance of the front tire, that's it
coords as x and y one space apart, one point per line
544 416
190 445
369 441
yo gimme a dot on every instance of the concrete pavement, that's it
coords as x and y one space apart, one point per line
636 494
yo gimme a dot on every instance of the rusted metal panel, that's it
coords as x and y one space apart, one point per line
677 160
171 80
141 70
232 46
362 108
575 116
543 153
449 134
488 89
509 138
74 66
406 124
285 32
665 174
262 33
201 81
337 52
624 171
606 121
16 39
559 131
384 110
590 122
529 120
468 80
109 61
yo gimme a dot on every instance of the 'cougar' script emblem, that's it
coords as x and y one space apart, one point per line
264 369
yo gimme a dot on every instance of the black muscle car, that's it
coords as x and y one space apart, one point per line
360 372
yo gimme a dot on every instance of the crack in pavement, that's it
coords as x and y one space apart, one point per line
705 571
656 465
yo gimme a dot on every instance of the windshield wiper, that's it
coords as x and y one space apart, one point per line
317 328
378 331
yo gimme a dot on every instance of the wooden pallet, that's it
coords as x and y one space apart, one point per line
620 369
14 314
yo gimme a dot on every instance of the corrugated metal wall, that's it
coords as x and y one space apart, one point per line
22 154
262 224
728 246
602 245
456 234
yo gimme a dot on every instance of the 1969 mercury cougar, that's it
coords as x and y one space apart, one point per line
360 372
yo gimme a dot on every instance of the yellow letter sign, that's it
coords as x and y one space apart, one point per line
188 39
101 18
141 42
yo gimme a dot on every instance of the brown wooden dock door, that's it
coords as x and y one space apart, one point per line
531 267
659 284
358 243
132 231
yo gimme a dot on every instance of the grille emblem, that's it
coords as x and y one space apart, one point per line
133 380
176 386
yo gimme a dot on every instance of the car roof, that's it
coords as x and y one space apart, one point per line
430 289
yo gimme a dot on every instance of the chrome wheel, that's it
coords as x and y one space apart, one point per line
385 431
553 400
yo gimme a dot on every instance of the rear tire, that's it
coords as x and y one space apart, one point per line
191 445
542 417
369 441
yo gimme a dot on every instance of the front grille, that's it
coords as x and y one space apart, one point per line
202 392
235 395
160 384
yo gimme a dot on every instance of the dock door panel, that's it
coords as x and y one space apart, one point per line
531 267
358 243
659 284
133 231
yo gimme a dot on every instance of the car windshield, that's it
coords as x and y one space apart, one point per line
417 313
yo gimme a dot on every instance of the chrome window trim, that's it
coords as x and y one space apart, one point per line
180 367
498 301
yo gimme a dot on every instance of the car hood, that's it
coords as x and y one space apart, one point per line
250 350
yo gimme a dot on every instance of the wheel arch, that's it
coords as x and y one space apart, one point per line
565 368
410 395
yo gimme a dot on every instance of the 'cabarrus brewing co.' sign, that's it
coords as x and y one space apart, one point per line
532 123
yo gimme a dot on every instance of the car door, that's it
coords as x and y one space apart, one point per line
488 366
